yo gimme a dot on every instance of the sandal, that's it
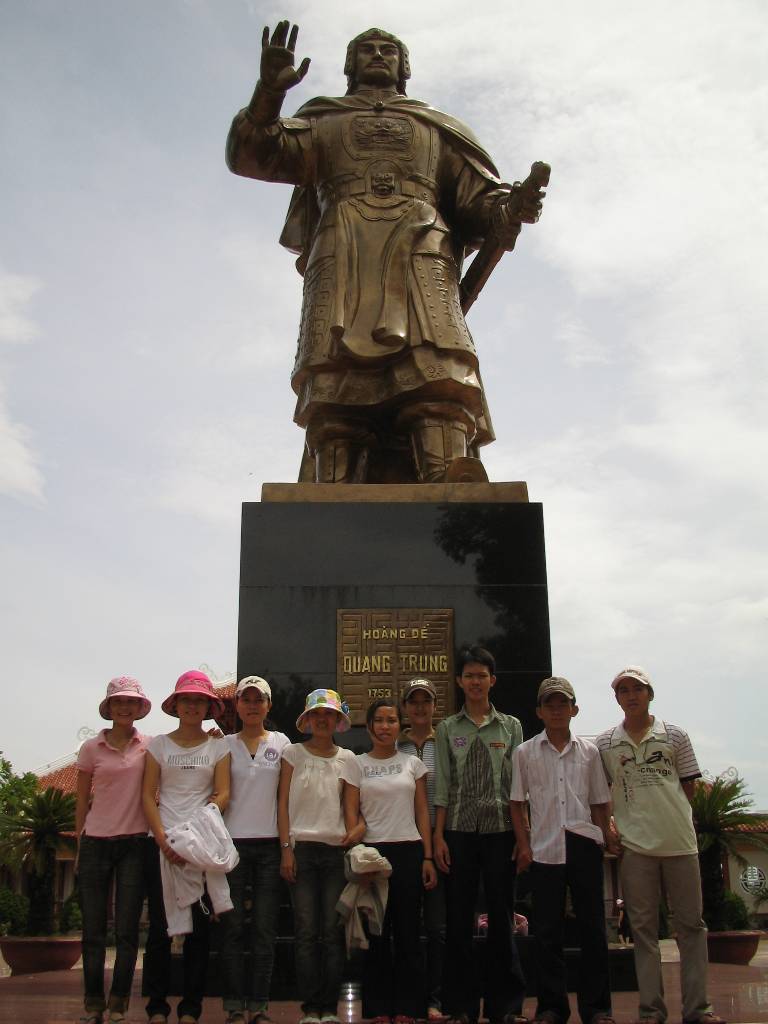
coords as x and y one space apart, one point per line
707 1018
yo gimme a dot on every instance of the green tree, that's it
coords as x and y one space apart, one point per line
720 807
30 835
15 791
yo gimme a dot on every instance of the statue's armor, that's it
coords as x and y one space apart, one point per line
389 192
381 317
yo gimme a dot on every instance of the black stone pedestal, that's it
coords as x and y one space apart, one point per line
312 549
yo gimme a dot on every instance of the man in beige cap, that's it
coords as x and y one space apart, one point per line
653 770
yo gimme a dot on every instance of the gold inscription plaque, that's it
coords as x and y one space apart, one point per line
379 649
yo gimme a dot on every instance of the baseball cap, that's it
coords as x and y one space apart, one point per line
555 684
632 672
419 684
257 683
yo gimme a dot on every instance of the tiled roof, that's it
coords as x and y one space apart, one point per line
64 778
759 825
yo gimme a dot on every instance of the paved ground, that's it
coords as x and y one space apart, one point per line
740 994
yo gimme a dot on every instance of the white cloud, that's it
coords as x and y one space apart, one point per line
580 344
264 325
16 291
20 474
215 465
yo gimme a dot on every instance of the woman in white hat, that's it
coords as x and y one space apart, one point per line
188 769
112 843
316 822
251 818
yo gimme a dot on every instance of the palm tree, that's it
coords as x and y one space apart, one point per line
31 834
720 807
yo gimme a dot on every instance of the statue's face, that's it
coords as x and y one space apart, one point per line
377 62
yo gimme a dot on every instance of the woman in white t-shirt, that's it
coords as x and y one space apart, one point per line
187 769
251 818
393 803
317 819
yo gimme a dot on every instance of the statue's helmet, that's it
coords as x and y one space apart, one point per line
377 33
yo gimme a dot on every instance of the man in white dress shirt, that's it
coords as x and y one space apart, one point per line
561 777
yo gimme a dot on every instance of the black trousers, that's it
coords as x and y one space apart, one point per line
393 978
487 856
157 956
582 873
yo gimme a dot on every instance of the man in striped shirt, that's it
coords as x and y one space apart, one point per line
652 770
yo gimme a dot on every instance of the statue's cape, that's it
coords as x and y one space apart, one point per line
303 213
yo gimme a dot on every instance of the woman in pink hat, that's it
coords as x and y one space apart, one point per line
186 769
112 843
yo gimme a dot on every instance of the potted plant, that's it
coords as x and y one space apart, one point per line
720 807
31 833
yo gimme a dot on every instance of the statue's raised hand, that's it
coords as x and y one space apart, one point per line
277 55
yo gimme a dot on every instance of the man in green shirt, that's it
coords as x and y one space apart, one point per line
473 839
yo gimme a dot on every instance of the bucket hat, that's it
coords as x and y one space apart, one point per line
318 699
193 682
125 686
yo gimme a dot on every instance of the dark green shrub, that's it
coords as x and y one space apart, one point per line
735 915
14 912
71 917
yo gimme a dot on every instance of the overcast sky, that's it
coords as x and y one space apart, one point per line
148 321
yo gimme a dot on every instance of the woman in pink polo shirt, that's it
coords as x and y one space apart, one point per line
112 839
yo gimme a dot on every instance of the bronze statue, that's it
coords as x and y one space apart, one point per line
390 194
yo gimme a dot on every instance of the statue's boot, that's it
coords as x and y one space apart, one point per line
440 434
466 471
339 448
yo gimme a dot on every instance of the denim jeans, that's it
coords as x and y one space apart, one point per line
101 862
318 933
157 956
487 855
251 930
